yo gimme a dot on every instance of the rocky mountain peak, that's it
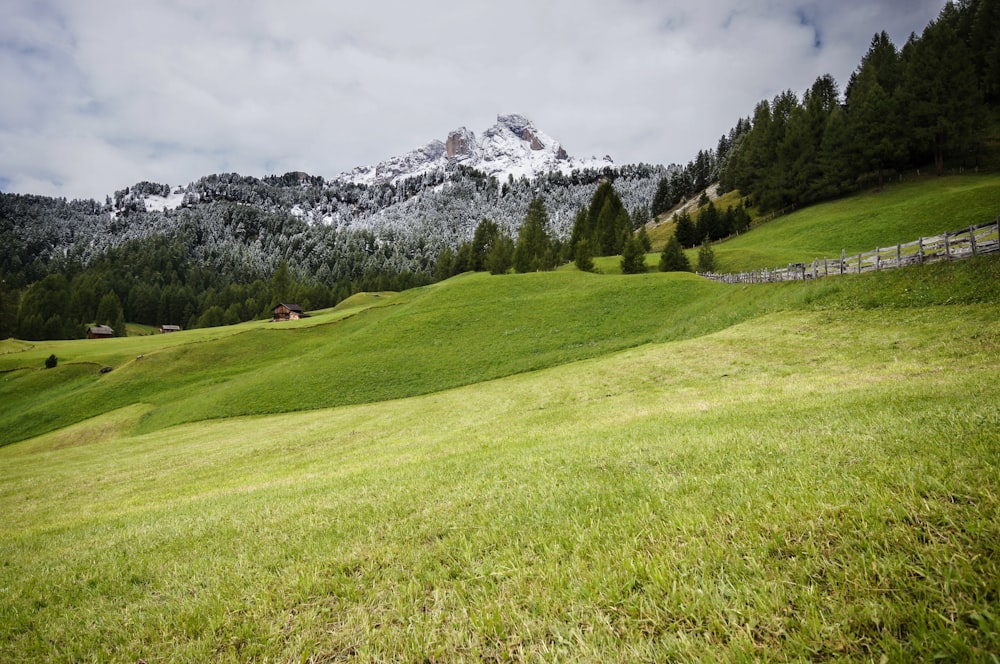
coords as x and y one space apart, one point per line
461 144
512 147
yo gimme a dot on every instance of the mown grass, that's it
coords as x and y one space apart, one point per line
808 485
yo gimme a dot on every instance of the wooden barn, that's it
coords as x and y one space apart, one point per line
288 312
164 329
100 332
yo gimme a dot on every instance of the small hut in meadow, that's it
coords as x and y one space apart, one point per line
288 312
100 332
164 329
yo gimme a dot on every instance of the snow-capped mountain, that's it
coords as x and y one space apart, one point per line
512 147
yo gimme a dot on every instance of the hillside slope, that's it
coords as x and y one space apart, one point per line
466 330
899 213
817 482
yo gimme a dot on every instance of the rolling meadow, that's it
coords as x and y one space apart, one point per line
556 466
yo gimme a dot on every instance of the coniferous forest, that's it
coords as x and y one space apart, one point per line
235 245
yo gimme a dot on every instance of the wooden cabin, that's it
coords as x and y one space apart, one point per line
164 329
100 332
288 312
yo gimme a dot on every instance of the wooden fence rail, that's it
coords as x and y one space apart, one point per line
972 241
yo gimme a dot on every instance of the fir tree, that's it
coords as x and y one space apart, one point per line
485 236
706 257
662 201
109 312
644 241
534 245
673 258
445 265
633 257
685 230
583 257
500 257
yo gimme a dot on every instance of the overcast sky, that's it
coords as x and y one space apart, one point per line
100 94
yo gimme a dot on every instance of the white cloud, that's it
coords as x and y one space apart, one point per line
102 94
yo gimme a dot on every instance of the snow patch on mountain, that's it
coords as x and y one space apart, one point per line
169 202
513 147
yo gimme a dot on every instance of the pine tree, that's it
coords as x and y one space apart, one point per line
685 230
940 90
500 257
486 234
445 265
534 245
109 312
583 257
281 284
644 241
662 201
673 258
706 257
633 257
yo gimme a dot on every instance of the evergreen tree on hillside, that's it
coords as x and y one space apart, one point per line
534 250
711 224
940 89
444 267
640 217
44 311
500 257
673 258
281 284
836 156
583 256
662 201
633 257
485 236
607 224
643 237
110 313
685 230
706 257
737 220
874 110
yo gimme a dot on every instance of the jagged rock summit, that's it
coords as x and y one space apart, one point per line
511 147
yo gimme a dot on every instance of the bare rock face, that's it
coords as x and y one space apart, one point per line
461 144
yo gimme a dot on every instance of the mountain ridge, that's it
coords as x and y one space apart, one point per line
513 147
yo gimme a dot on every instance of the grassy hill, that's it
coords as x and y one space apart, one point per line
899 213
557 466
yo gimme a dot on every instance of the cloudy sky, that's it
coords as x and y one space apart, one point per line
100 94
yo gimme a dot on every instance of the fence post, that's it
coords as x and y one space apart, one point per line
878 260
972 239
899 255
920 250
859 263
843 260
947 246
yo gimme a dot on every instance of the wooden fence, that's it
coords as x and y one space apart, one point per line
972 241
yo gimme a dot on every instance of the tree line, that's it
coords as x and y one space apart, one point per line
928 102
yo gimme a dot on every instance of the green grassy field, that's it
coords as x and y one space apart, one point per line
547 467
900 213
